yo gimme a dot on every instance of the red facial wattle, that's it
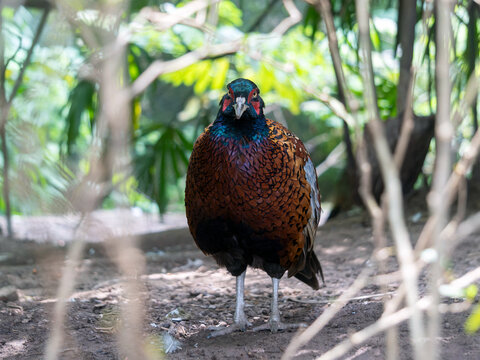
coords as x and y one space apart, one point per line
252 99
256 106
226 102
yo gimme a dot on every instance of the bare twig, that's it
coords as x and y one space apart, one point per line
380 325
6 103
159 67
392 185
331 159
28 58
439 208
467 279
337 107
262 16
324 8
299 340
461 169
14 55
407 124
294 17
65 288
165 21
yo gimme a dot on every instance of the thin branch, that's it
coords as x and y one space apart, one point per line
467 279
28 58
182 14
384 323
159 67
324 8
65 288
301 339
462 231
392 185
262 16
462 167
294 17
3 68
6 180
406 39
337 107
19 47
331 159
407 124
439 208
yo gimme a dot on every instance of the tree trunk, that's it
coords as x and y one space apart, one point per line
407 18
6 184
416 151
472 55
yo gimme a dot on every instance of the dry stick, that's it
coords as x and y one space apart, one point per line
394 320
113 121
298 341
471 91
332 159
115 112
467 279
159 67
65 288
407 124
462 167
301 339
6 103
439 208
3 65
379 326
337 107
294 17
398 156
393 187
464 229
323 7
166 21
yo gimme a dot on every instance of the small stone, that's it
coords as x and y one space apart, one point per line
8 293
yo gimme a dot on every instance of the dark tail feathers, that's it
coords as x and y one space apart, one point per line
309 274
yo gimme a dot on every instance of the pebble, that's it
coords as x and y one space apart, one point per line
8 293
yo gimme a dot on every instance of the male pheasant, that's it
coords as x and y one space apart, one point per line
252 198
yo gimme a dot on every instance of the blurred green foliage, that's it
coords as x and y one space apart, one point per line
53 120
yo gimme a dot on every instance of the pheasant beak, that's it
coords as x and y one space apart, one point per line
239 107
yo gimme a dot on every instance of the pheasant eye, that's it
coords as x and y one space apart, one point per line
254 94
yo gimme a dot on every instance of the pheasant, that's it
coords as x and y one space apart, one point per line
252 199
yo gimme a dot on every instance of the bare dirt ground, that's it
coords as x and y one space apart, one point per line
186 294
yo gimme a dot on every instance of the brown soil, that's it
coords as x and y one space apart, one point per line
178 276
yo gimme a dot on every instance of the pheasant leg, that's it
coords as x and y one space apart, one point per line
240 320
274 324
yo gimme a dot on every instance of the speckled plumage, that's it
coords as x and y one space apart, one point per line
251 193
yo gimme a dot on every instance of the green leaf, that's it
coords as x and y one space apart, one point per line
471 291
473 322
229 13
221 67
82 103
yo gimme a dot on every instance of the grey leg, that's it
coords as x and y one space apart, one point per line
240 320
239 316
274 324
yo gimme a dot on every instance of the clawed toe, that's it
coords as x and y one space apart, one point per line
275 326
229 329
